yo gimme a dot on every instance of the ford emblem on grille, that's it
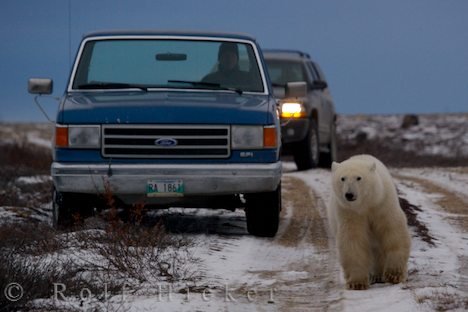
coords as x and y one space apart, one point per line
165 142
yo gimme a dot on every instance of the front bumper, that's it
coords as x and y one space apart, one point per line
129 179
294 130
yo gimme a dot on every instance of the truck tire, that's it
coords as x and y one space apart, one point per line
66 207
306 152
262 213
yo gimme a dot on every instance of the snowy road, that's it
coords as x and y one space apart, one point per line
298 269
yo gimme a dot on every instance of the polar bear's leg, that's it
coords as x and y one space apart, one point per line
354 251
396 248
378 260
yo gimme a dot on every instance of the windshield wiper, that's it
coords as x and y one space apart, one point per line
273 84
207 85
112 85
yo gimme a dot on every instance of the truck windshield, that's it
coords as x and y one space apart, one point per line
160 63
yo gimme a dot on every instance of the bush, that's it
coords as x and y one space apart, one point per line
19 160
26 263
132 251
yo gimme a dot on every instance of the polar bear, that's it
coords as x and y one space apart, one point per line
369 226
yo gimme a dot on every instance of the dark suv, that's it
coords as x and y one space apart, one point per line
308 123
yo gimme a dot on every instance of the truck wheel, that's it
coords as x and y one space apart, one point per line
326 159
66 207
262 213
307 153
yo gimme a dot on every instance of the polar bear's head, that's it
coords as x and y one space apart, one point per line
354 183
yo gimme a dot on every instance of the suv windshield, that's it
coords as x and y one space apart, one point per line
163 63
282 72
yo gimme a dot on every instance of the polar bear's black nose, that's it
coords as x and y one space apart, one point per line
350 197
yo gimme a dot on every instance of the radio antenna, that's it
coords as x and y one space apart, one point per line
69 33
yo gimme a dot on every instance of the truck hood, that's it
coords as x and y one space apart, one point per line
136 107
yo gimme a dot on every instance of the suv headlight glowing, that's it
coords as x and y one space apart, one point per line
254 137
293 110
78 136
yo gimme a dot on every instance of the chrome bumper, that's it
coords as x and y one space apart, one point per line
127 179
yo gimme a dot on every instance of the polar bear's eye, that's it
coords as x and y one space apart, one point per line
343 179
358 178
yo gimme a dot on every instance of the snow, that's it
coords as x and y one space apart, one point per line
438 267
36 134
33 179
455 180
434 135
36 140
239 272
245 273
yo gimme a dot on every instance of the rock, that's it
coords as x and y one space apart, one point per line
409 121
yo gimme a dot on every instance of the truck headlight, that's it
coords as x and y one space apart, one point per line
293 110
78 136
254 137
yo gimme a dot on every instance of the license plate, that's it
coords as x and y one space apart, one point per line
161 188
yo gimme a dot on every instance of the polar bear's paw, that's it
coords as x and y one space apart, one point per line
357 285
376 279
394 276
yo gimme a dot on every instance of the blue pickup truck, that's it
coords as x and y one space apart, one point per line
168 119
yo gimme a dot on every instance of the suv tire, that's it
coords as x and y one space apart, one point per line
262 213
307 152
326 159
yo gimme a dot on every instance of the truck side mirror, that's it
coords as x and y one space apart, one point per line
296 89
40 86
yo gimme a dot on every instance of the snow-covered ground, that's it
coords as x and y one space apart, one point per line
433 135
295 271
298 270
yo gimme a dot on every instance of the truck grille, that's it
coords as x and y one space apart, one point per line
164 141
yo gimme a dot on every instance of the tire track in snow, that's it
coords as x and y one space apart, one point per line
305 223
312 283
439 274
454 206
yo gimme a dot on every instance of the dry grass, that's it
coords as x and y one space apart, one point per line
445 301
36 256
130 255
128 251
20 160
26 255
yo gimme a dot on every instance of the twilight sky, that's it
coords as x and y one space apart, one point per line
380 57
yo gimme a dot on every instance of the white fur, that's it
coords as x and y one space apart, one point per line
370 228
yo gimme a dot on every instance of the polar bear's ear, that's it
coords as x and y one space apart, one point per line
373 166
334 166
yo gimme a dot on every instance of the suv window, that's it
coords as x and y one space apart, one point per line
317 71
282 72
313 71
160 63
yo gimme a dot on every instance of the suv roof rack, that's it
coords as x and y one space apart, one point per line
300 53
